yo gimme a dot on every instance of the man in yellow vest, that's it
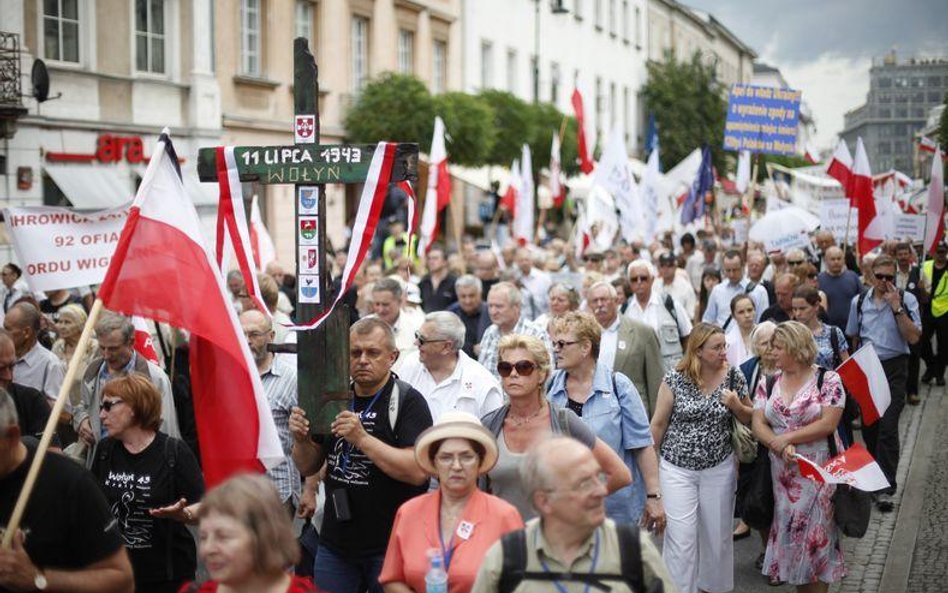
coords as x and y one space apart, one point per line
936 321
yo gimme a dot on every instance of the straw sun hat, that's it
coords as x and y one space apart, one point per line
456 425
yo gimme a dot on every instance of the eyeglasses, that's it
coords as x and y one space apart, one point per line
465 459
638 278
423 340
587 485
108 404
795 262
559 345
885 277
524 368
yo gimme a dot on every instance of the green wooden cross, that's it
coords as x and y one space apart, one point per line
322 355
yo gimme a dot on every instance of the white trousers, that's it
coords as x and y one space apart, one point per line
699 546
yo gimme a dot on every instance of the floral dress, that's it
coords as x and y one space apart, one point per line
804 544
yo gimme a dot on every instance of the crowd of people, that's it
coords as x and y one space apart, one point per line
519 418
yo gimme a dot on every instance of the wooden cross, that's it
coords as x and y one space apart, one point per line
323 354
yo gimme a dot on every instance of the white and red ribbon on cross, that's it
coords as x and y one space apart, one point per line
232 222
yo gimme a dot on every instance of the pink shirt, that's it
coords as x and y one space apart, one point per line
484 520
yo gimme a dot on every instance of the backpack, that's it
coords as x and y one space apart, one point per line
514 569
747 290
670 307
395 401
104 452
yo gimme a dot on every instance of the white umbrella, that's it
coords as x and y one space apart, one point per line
791 220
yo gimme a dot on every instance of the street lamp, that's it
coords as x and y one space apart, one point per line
556 7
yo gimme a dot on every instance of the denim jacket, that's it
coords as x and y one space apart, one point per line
615 413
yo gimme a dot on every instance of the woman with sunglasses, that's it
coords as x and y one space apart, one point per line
692 428
524 366
141 470
609 404
457 519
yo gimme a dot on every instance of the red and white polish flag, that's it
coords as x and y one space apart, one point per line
854 466
144 345
840 168
438 195
161 270
585 159
865 379
863 198
935 218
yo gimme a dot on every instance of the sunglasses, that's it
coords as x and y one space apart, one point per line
524 368
885 277
795 262
423 340
108 404
559 345
638 278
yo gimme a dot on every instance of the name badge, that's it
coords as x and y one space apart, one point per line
465 529
621 344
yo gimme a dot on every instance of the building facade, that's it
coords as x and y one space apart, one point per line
352 41
598 43
674 27
901 94
119 72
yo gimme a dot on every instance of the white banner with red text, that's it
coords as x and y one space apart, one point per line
62 248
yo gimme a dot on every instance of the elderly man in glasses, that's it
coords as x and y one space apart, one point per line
444 374
662 313
888 319
572 543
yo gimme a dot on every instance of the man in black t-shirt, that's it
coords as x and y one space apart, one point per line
370 463
437 286
72 542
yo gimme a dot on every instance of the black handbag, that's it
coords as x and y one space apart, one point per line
851 507
758 498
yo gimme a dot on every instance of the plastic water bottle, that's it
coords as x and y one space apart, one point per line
436 581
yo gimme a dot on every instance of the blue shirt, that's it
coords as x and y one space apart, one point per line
105 376
840 291
719 301
879 326
619 419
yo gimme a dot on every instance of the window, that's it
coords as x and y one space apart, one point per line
304 20
150 36
885 98
612 17
554 83
884 83
625 20
918 112
406 51
600 99
901 112
439 78
638 27
360 52
250 37
918 82
511 70
487 65
613 104
61 30
884 148
885 112
934 97
934 81
597 14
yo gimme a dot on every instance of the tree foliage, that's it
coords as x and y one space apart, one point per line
689 107
392 107
469 121
513 123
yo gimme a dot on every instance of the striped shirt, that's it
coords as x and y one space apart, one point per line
279 385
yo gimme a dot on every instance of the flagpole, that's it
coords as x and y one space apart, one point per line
40 455
849 218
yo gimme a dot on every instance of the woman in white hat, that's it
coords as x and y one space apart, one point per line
457 519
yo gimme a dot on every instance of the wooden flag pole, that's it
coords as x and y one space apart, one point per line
40 455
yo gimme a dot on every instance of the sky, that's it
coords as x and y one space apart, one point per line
825 48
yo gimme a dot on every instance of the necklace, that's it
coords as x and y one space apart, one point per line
519 421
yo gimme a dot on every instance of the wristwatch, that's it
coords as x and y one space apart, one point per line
39 581
656 496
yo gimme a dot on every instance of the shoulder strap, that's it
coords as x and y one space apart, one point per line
859 301
394 403
670 307
771 381
562 416
171 458
750 287
834 343
514 545
630 557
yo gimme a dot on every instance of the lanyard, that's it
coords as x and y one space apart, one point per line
347 446
592 569
446 552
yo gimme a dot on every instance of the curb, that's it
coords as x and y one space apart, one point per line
898 567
